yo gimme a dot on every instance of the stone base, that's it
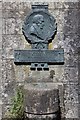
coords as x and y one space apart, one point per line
54 116
42 102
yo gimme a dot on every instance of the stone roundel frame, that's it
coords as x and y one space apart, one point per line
51 24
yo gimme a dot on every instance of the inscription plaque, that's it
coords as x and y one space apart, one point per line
39 56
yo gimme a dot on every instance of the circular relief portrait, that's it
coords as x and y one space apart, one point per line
39 26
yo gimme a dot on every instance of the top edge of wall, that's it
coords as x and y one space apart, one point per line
39 1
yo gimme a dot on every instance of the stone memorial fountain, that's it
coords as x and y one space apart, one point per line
41 97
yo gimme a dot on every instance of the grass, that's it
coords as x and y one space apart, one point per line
17 108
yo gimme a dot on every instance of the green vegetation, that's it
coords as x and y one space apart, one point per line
17 108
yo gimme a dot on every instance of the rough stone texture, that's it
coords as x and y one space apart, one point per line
0 59
66 78
79 81
41 100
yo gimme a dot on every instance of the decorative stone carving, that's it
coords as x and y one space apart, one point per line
39 29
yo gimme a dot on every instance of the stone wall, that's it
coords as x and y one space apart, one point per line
67 15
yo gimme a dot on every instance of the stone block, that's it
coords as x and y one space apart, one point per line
8 72
12 26
3 26
56 5
71 102
5 109
41 117
71 74
47 85
0 111
79 110
58 41
71 93
70 119
71 25
55 74
71 59
71 5
58 77
0 71
7 5
10 12
71 111
1 5
58 13
41 101
8 92
71 42
20 73
0 13
10 43
24 5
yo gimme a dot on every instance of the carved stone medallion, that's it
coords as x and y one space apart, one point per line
39 27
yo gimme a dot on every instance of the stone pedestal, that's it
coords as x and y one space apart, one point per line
41 101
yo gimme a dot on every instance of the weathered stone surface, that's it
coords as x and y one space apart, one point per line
71 93
40 99
42 117
0 60
71 101
79 80
20 73
46 76
8 81
11 42
8 92
71 27
71 5
71 111
8 72
15 10
71 74
67 15
0 112
5 108
71 59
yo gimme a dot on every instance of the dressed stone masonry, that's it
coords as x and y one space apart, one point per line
65 77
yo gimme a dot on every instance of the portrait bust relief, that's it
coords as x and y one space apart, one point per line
39 27
36 29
